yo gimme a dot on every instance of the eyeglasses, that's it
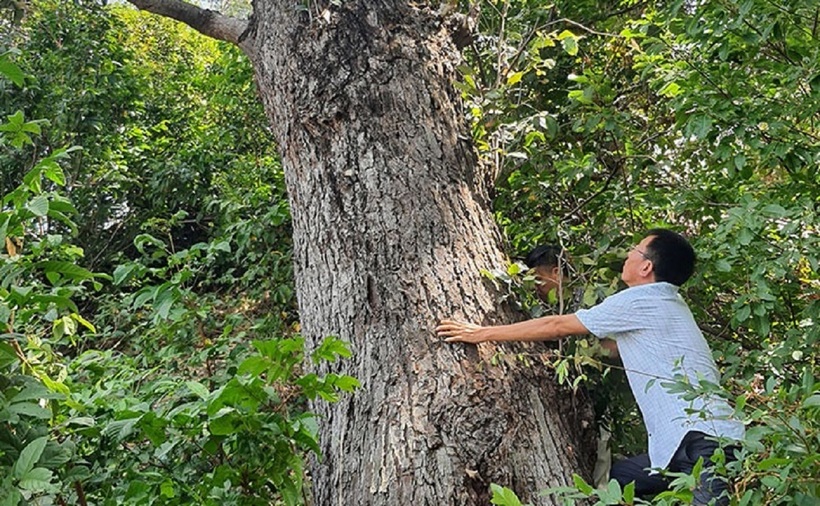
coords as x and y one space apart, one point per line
647 257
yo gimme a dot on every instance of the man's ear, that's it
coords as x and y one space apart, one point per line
556 272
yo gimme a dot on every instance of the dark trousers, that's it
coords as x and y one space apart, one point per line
694 445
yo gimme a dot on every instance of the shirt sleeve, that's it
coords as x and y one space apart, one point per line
611 318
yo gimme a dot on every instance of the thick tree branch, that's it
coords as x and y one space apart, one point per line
205 21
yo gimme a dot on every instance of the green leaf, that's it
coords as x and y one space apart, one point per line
167 489
55 174
581 96
503 496
223 425
347 383
16 121
38 205
745 236
36 480
53 278
143 240
222 246
12 71
153 427
743 313
29 457
7 354
629 492
5 312
82 421
775 210
11 497
5 218
122 272
769 463
61 204
60 302
812 402
330 350
64 326
32 178
68 325
33 392
698 126
307 433
121 429
614 489
513 269
570 45
198 389
31 127
254 365
582 485
164 301
68 269
772 482
670 90
514 78
739 161
85 323
142 297
31 409
612 494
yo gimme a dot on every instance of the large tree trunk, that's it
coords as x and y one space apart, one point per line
392 226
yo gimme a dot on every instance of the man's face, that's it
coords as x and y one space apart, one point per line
637 267
547 279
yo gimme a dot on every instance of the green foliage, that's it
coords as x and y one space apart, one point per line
604 119
37 282
612 494
238 437
189 387
781 443
169 120
125 429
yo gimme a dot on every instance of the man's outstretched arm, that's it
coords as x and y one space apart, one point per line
540 329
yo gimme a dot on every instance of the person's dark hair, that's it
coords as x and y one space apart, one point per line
547 255
673 258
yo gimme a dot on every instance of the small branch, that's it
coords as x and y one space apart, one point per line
499 70
612 173
78 487
587 29
614 14
205 21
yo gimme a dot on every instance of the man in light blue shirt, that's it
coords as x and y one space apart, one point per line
657 339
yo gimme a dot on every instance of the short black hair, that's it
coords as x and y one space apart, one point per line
673 258
547 255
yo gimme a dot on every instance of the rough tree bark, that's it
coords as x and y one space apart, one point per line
392 226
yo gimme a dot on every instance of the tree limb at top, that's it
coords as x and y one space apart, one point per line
205 21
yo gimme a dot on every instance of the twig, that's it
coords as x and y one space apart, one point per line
592 197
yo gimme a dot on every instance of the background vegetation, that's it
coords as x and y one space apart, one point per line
149 345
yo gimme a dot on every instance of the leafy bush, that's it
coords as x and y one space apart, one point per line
604 120
190 388
38 279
